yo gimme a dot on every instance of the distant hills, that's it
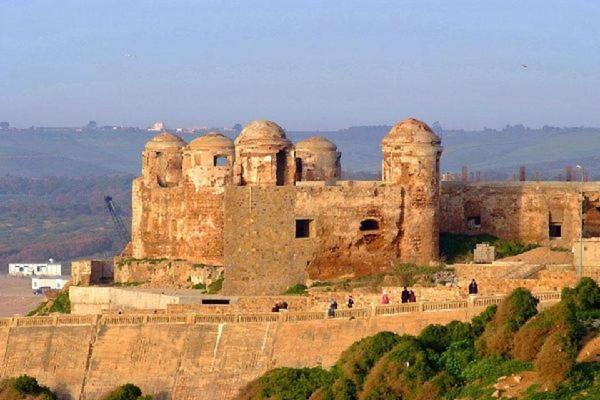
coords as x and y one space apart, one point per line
497 153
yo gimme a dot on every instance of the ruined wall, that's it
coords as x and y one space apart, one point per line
513 210
181 222
264 256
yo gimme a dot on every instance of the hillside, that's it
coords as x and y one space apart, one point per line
60 218
499 153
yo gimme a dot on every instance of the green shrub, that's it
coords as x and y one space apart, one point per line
286 384
513 312
61 303
126 392
399 373
458 356
479 322
297 289
216 286
27 385
200 286
459 247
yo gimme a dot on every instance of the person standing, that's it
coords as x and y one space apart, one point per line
412 298
350 301
405 295
385 299
473 288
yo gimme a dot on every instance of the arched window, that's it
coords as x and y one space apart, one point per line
369 225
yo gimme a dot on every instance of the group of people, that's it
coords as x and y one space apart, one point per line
280 306
407 296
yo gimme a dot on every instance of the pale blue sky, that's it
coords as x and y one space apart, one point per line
305 64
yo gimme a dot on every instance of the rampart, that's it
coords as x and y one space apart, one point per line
193 356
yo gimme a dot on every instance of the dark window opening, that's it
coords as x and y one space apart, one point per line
298 169
220 161
215 301
280 173
555 231
305 228
474 222
369 225
158 154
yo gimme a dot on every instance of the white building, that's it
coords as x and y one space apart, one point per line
30 269
51 282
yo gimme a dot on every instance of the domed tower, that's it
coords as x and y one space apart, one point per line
161 160
264 155
317 159
208 160
411 158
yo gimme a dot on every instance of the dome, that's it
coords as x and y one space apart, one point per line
212 141
165 141
316 143
411 131
262 131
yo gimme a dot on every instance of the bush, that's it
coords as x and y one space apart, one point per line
356 362
62 303
458 356
200 286
399 373
459 247
479 322
286 384
125 392
216 286
27 385
513 312
555 360
297 289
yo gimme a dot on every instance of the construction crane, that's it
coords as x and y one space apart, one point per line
114 211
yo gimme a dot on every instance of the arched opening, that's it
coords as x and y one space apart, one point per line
369 225
298 169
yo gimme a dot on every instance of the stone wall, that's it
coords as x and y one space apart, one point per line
184 356
520 211
179 222
264 256
164 272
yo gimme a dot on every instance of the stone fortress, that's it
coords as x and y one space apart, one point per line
273 213
269 214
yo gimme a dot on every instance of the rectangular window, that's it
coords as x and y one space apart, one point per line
219 302
220 161
474 222
305 228
555 231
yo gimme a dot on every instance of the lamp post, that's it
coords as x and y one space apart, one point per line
581 200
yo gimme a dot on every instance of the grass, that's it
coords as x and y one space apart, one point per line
199 286
127 284
297 290
456 247
216 286
60 304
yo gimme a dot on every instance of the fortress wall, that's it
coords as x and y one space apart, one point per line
263 255
186 360
57 356
93 300
513 210
180 222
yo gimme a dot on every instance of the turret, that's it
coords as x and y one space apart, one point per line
208 160
263 155
161 160
317 159
411 159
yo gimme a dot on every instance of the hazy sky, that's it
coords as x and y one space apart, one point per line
305 64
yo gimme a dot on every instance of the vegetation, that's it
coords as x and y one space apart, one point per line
60 304
459 247
460 360
26 385
216 286
199 286
127 392
297 289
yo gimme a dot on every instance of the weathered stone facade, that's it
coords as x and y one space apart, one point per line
274 213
